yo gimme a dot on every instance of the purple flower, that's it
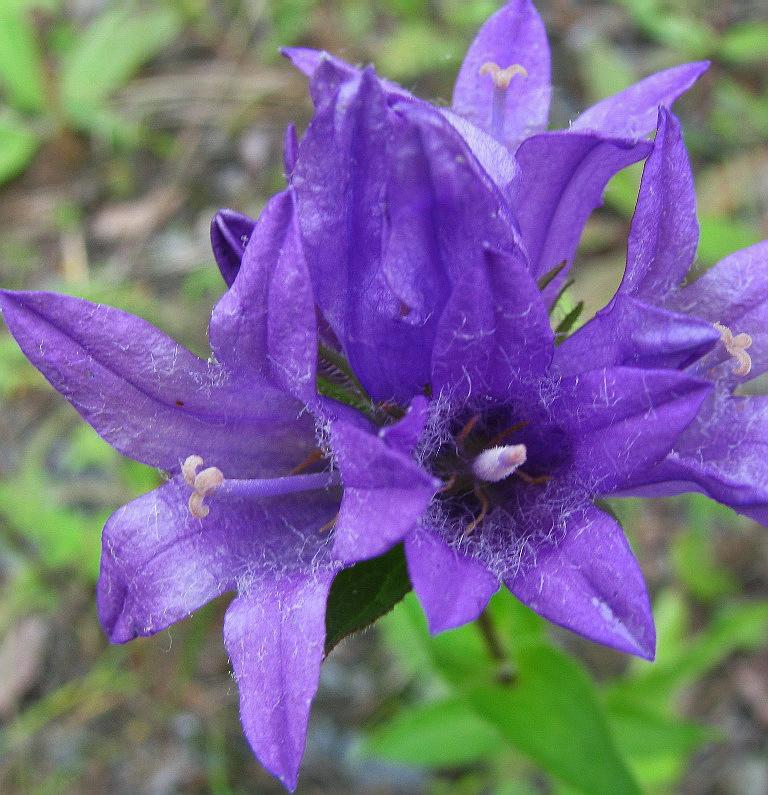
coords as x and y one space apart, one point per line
500 107
230 432
715 328
421 273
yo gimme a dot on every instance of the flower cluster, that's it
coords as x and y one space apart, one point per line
384 370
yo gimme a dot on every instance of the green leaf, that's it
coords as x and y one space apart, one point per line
18 145
444 734
552 714
108 54
366 591
21 64
568 322
549 276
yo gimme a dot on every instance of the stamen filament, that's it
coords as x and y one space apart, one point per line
212 481
274 487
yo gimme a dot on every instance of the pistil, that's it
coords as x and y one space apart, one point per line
498 463
501 80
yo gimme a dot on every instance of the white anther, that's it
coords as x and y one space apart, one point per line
736 347
497 463
204 484
502 77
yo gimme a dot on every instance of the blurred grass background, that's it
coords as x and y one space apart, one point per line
123 127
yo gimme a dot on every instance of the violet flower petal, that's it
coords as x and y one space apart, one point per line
632 333
290 149
494 331
632 113
148 396
265 323
385 491
159 563
589 582
664 232
723 453
275 633
735 293
452 587
625 420
230 233
562 179
515 34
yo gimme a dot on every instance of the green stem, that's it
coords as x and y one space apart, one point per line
506 673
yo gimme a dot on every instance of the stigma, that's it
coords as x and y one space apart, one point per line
207 482
502 77
736 346
501 80
498 463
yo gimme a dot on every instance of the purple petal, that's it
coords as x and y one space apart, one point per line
624 420
513 35
495 330
325 82
664 232
159 563
265 323
404 435
230 233
385 492
723 453
589 582
452 587
499 163
290 149
274 634
562 179
148 396
630 332
632 113
735 293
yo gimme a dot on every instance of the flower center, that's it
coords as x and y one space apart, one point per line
501 80
736 347
211 481
482 463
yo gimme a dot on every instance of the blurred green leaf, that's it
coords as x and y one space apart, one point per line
721 237
21 65
18 144
415 48
746 43
552 713
106 55
361 594
444 734
621 192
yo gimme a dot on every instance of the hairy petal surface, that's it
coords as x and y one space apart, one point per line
632 113
385 491
494 332
664 232
589 581
632 333
452 587
562 179
734 292
515 34
149 397
159 563
624 420
275 633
